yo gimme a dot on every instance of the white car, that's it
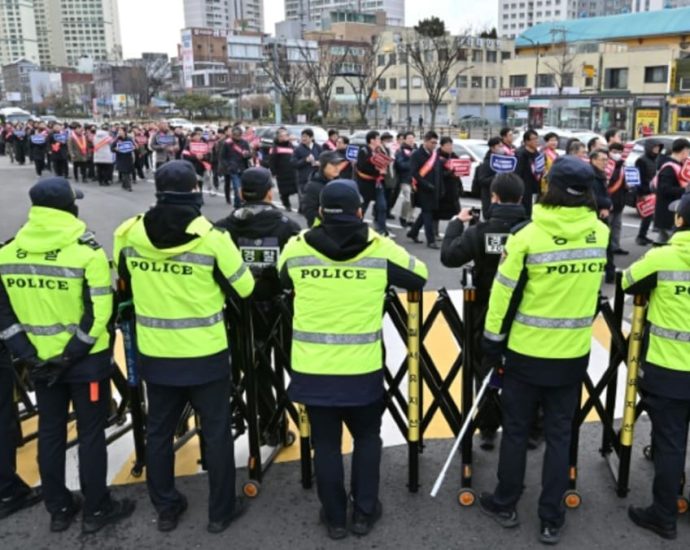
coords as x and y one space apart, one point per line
566 135
183 123
475 150
638 147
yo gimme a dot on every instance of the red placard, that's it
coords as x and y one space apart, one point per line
198 148
381 161
461 167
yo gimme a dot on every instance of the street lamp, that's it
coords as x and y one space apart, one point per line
537 45
405 49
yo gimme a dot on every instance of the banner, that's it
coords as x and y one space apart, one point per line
646 122
502 164
38 139
381 161
352 152
461 167
539 163
632 176
198 148
165 139
124 147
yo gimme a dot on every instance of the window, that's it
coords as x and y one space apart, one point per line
545 81
505 55
403 57
491 56
392 59
589 82
416 82
567 80
490 82
392 84
476 81
518 80
381 60
656 74
461 81
403 83
381 84
616 79
462 54
477 56
339 90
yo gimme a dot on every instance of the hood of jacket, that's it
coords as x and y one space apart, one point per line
649 146
566 222
511 214
340 241
49 229
151 238
680 241
166 224
256 219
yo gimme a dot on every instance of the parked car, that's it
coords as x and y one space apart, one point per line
183 123
566 135
638 147
359 138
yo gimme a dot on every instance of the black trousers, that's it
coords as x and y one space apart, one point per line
139 167
212 402
519 403
670 433
364 423
40 163
10 483
79 167
426 219
104 173
61 167
53 407
126 178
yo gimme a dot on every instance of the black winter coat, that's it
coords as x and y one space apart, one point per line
617 197
451 189
305 169
524 169
235 156
402 163
311 198
280 164
367 175
668 190
481 184
601 195
428 190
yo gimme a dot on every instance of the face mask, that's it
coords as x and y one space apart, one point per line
616 157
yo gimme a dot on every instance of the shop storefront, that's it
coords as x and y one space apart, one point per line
613 112
514 104
679 108
649 116
561 112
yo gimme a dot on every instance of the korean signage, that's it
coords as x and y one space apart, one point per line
514 95
647 122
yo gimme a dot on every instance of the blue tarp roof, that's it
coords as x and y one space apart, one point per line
595 29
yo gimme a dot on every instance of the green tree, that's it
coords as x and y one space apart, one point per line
431 27
192 103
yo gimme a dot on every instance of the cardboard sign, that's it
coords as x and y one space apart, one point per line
165 139
351 153
124 147
22 133
461 167
198 148
60 138
38 139
685 174
381 161
632 176
502 164
142 140
539 163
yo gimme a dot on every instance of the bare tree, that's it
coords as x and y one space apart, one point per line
362 70
287 77
319 67
561 66
433 54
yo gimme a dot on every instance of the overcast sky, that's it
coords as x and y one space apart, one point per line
154 25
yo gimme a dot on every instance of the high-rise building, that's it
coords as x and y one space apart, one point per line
514 16
17 31
224 14
311 11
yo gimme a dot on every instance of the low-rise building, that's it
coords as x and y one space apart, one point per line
618 71
17 81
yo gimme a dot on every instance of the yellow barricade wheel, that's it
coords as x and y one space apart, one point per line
290 439
467 497
572 499
251 488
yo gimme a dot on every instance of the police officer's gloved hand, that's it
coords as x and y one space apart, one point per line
488 362
48 372
74 351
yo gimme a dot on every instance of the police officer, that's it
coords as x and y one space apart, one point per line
180 270
260 231
330 166
340 271
15 494
552 271
55 309
484 244
664 272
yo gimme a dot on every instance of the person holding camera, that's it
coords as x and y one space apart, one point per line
483 243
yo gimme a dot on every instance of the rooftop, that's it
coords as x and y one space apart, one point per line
611 27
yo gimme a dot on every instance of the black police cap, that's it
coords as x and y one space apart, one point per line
255 183
340 198
571 175
177 176
54 193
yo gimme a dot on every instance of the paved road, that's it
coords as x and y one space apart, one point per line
104 208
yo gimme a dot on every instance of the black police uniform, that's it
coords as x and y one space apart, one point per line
260 231
482 243
14 492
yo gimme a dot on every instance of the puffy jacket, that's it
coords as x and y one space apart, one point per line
545 295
